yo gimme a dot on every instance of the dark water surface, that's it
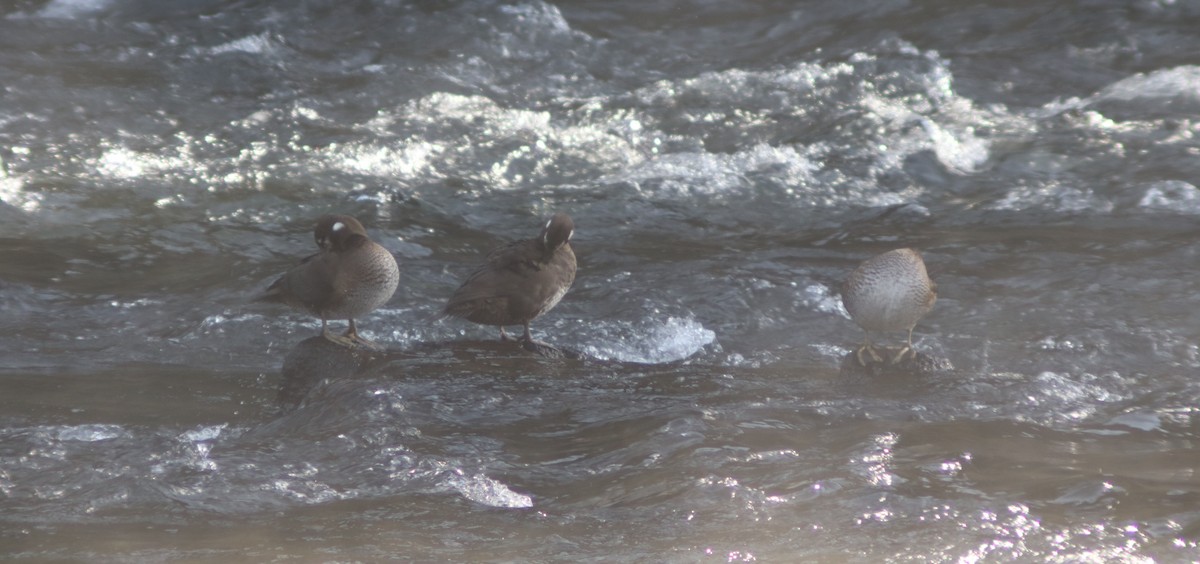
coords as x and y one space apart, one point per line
726 163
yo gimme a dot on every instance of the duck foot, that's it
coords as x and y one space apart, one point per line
353 341
869 350
906 350
541 348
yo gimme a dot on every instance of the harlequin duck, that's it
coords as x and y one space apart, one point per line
519 281
888 292
349 277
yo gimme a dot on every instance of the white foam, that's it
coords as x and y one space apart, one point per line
1177 82
824 299
654 342
541 14
203 433
123 163
252 44
408 160
12 192
484 490
70 9
1171 195
1052 196
960 151
537 142
1174 83
898 118
682 174
91 433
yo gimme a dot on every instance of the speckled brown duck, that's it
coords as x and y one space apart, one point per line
888 292
349 277
519 281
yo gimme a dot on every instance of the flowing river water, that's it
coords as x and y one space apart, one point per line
727 164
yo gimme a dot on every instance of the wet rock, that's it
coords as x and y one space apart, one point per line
550 351
919 364
317 358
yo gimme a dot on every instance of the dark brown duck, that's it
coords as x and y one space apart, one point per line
519 281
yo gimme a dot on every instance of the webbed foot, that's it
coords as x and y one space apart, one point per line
541 348
869 350
341 340
353 341
904 351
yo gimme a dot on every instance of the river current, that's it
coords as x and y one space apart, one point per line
726 164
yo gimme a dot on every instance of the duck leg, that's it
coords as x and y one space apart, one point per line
905 350
544 349
868 348
349 339
330 336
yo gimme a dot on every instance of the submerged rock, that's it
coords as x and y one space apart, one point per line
316 359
